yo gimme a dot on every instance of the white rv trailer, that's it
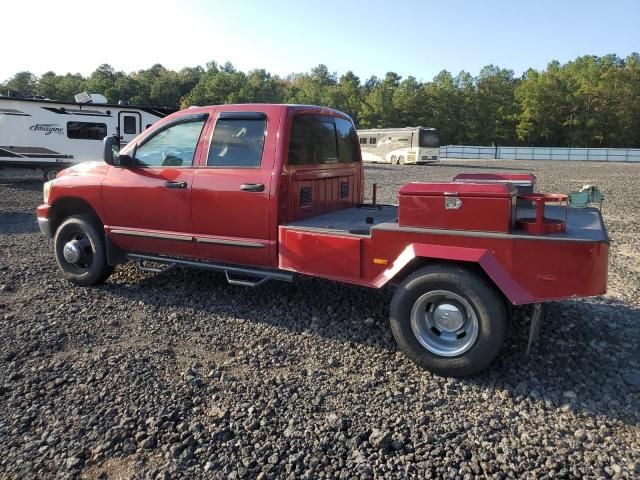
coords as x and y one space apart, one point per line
400 146
51 135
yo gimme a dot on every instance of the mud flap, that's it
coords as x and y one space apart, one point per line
536 322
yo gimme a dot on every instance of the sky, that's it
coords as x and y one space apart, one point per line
372 37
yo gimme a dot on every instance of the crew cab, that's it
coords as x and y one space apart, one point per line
264 192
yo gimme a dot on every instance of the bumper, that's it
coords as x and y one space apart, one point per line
43 219
43 224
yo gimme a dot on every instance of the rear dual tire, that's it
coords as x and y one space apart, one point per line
448 320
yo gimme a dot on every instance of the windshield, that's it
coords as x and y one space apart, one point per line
429 138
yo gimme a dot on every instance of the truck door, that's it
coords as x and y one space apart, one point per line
129 126
232 206
148 206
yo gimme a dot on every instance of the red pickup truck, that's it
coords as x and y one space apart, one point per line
263 192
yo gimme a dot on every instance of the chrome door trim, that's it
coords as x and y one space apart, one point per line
230 243
161 236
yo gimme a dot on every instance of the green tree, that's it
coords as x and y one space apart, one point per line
22 82
348 95
495 106
409 101
545 107
377 110
102 81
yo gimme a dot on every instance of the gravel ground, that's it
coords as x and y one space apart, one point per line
182 376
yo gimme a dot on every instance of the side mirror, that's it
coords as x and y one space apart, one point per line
111 155
110 151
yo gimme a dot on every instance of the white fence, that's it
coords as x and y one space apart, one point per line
542 153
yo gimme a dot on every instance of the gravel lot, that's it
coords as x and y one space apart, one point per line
182 376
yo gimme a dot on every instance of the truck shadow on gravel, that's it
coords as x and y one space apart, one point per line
586 360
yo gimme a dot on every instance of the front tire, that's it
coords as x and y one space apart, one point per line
79 247
448 320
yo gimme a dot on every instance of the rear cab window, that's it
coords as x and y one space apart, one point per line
322 139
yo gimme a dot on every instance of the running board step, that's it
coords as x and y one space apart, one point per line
245 283
144 268
256 276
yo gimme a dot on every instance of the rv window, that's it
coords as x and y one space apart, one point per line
429 138
347 141
372 141
363 140
237 142
86 130
313 140
174 146
130 124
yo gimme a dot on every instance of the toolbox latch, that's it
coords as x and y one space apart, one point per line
452 203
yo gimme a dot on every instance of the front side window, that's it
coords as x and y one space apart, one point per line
130 124
347 141
313 140
86 131
174 146
237 142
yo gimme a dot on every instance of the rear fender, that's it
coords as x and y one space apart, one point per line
512 290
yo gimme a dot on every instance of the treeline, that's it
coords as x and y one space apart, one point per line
590 101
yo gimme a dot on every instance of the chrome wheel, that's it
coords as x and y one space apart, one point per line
77 251
444 323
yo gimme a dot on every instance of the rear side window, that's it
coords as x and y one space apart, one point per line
86 130
174 146
313 140
347 141
237 142
319 139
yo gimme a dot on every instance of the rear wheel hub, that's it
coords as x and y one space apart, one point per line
444 323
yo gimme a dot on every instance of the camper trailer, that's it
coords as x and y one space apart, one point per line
51 135
400 146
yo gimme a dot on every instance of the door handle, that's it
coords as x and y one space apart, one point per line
252 187
175 184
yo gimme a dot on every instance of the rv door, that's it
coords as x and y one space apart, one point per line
129 125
